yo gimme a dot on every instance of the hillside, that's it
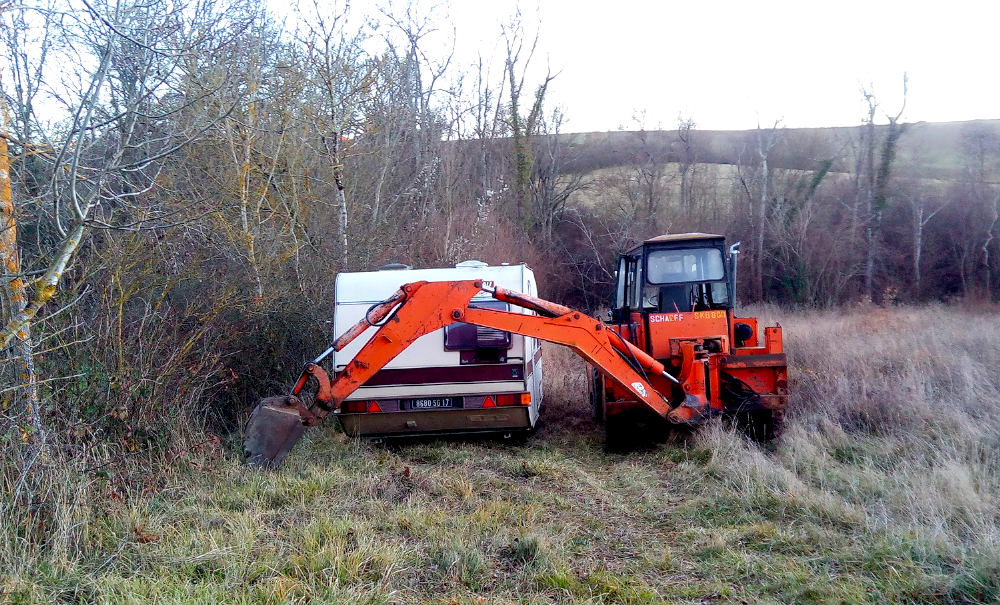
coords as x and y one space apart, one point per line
929 150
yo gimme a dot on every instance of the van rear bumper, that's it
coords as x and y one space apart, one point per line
438 421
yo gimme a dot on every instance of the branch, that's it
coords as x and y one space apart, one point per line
125 36
16 387
146 161
45 288
22 274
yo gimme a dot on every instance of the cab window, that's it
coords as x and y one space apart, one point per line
620 289
635 300
685 265
629 285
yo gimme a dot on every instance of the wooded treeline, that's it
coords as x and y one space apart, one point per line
880 212
188 178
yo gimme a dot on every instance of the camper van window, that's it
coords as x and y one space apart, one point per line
688 265
463 336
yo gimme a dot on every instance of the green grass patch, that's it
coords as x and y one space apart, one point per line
837 511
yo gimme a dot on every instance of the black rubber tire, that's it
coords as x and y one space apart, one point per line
597 396
759 426
618 434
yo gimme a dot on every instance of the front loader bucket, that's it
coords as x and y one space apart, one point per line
275 426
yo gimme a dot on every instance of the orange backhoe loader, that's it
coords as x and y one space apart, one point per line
671 348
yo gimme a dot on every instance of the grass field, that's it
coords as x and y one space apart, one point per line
883 488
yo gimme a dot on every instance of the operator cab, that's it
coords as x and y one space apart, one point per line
674 274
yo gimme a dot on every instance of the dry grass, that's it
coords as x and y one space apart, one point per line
883 488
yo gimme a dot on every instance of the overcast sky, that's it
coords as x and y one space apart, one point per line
729 65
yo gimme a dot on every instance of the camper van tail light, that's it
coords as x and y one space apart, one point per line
514 399
374 407
354 407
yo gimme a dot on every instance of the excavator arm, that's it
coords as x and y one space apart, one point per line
420 308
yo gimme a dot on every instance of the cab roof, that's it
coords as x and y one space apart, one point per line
674 237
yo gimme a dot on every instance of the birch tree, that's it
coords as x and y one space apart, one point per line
341 79
925 204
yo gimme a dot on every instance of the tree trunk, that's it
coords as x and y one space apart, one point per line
250 220
918 242
342 208
759 248
870 258
17 347
995 216
341 203
686 202
870 207
522 158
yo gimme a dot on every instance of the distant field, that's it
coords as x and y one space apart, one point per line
884 488
927 149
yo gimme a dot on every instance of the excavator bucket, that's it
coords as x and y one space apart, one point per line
275 426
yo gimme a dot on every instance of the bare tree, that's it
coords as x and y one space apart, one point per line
925 203
522 126
757 192
551 186
490 126
687 160
342 79
647 171
980 147
876 168
102 167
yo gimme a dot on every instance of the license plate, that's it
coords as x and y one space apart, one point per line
434 403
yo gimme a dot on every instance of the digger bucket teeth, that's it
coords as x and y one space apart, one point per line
275 426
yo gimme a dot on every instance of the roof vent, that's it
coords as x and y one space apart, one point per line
395 267
471 264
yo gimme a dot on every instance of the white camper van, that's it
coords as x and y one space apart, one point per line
459 379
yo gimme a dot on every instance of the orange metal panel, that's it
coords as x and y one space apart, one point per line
772 340
689 324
